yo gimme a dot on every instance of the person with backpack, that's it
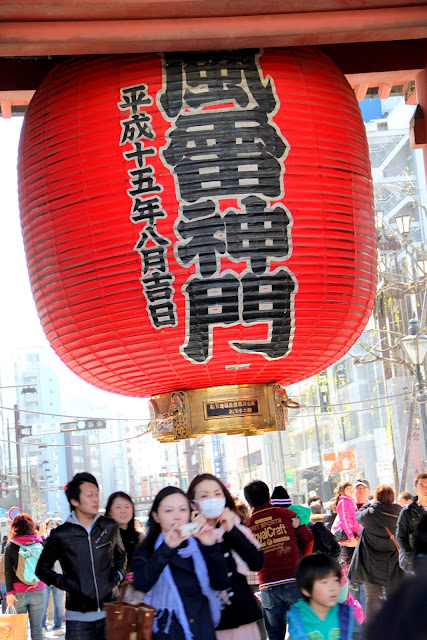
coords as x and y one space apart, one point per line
24 590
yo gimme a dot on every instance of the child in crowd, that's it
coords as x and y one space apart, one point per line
345 522
318 615
346 528
345 597
280 498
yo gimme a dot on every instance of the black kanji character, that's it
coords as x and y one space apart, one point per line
229 153
134 97
158 287
268 298
216 302
150 233
162 314
139 154
257 235
218 78
137 127
204 236
144 182
153 258
147 209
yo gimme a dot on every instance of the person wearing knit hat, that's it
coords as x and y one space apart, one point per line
280 498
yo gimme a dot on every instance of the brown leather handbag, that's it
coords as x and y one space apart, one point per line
127 621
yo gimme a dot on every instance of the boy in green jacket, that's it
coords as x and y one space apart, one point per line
317 615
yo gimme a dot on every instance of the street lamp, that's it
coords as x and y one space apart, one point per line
379 219
415 345
403 223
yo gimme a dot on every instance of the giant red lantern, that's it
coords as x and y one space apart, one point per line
198 220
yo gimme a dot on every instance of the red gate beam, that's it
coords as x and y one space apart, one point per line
279 30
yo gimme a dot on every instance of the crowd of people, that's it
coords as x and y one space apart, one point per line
214 568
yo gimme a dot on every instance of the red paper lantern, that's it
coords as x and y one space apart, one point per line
193 220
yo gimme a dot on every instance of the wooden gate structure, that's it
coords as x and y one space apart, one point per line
381 46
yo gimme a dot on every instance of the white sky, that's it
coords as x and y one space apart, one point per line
19 323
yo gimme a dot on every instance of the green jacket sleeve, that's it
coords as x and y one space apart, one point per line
303 513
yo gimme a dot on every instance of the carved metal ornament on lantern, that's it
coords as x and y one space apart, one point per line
198 221
248 409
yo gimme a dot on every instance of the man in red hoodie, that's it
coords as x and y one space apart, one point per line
272 527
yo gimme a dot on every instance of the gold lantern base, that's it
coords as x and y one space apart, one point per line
251 409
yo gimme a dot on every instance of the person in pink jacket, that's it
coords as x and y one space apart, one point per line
345 522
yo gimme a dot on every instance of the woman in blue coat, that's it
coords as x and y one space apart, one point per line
179 573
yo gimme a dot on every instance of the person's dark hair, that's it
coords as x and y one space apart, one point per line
153 527
114 496
316 508
315 567
23 525
229 502
257 493
242 510
72 490
124 496
315 499
339 490
384 494
405 495
420 476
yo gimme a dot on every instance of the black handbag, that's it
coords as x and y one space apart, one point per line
340 535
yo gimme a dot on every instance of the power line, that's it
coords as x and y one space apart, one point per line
76 444
139 435
76 416
348 402
338 413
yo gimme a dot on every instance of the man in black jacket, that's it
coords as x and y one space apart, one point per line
90 551
409 519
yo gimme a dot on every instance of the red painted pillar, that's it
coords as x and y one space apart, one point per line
419 120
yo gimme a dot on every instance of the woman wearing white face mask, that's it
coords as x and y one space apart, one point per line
242 553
